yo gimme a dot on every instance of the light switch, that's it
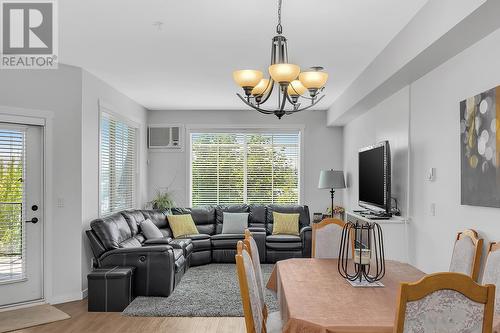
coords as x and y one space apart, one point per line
431 175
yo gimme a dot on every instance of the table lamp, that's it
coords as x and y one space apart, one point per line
332 179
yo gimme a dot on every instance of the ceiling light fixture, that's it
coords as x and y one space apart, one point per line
291 82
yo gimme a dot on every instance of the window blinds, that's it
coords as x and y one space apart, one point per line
12 197
229 168
118 160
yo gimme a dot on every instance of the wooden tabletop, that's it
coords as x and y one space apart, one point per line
314 297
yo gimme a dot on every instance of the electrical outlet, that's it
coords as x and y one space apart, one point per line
433 209
60 202
431 175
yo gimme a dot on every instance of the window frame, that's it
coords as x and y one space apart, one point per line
245 129
107 109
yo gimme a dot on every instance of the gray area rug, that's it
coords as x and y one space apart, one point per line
204 291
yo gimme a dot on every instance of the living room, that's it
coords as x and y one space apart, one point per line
137 127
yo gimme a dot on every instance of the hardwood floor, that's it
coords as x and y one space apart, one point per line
112 322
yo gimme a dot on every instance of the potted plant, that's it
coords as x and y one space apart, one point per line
162 200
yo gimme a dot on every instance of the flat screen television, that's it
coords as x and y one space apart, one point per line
375 178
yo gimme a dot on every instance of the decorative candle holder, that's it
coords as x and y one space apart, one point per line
362 245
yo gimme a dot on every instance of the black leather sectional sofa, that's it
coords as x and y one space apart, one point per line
160 263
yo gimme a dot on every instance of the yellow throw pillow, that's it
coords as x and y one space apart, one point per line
182 225
285 224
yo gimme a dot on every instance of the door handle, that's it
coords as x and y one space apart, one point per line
33 220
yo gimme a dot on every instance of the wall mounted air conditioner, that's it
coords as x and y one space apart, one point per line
165 137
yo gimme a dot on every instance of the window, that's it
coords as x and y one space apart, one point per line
253 168
117 165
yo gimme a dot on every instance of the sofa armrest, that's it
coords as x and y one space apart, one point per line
306 236
155 268
157 241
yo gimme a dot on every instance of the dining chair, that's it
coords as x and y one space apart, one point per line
326 238
466 256
255 321
491 273
253 250
446 303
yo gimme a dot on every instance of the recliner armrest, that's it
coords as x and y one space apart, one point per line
306 236
157 241
155 267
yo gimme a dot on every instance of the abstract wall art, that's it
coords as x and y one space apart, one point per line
480 145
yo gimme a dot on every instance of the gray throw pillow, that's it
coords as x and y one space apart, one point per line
234 223
150 230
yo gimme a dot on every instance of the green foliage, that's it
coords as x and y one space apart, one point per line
11 199
162 200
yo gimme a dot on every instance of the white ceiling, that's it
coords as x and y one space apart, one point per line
189 63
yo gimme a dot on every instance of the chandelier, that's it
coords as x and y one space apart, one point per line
292 84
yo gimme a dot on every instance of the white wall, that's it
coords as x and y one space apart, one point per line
58 91
386 121
94 91
434 136
322 150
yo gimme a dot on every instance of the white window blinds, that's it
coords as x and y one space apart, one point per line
118 161
228 168
12 194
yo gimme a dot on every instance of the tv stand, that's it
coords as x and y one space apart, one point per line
394 230
373 215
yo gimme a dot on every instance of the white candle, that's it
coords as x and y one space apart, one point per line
365 255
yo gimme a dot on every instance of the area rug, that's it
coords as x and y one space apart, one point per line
27 317
204 291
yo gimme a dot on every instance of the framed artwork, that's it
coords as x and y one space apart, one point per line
479 139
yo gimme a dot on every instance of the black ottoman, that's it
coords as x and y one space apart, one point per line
110 289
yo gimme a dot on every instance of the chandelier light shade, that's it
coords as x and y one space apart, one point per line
296 88
286 79
247 78
284 73
314 79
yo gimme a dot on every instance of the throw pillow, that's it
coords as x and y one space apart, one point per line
285 224
150 230
234 223
182 225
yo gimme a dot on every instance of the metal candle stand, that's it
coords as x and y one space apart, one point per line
366 237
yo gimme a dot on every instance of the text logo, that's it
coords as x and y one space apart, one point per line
29 34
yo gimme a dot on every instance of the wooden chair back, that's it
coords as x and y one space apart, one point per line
254 322
251 245
472 268
442 285
491 273
318 227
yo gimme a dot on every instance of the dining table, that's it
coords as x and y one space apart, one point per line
314 298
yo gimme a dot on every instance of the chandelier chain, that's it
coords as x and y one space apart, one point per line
279 28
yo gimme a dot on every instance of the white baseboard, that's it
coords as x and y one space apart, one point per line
57 299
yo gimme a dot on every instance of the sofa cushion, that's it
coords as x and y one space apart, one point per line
234 223
111 230
257 215
203 217
286 224
157 216
221 209
182 225
150 230
284 246
133 218
304 218
200 242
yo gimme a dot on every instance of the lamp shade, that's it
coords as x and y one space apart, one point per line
331 179
262 88
295 88
313 79
284 73
247 77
